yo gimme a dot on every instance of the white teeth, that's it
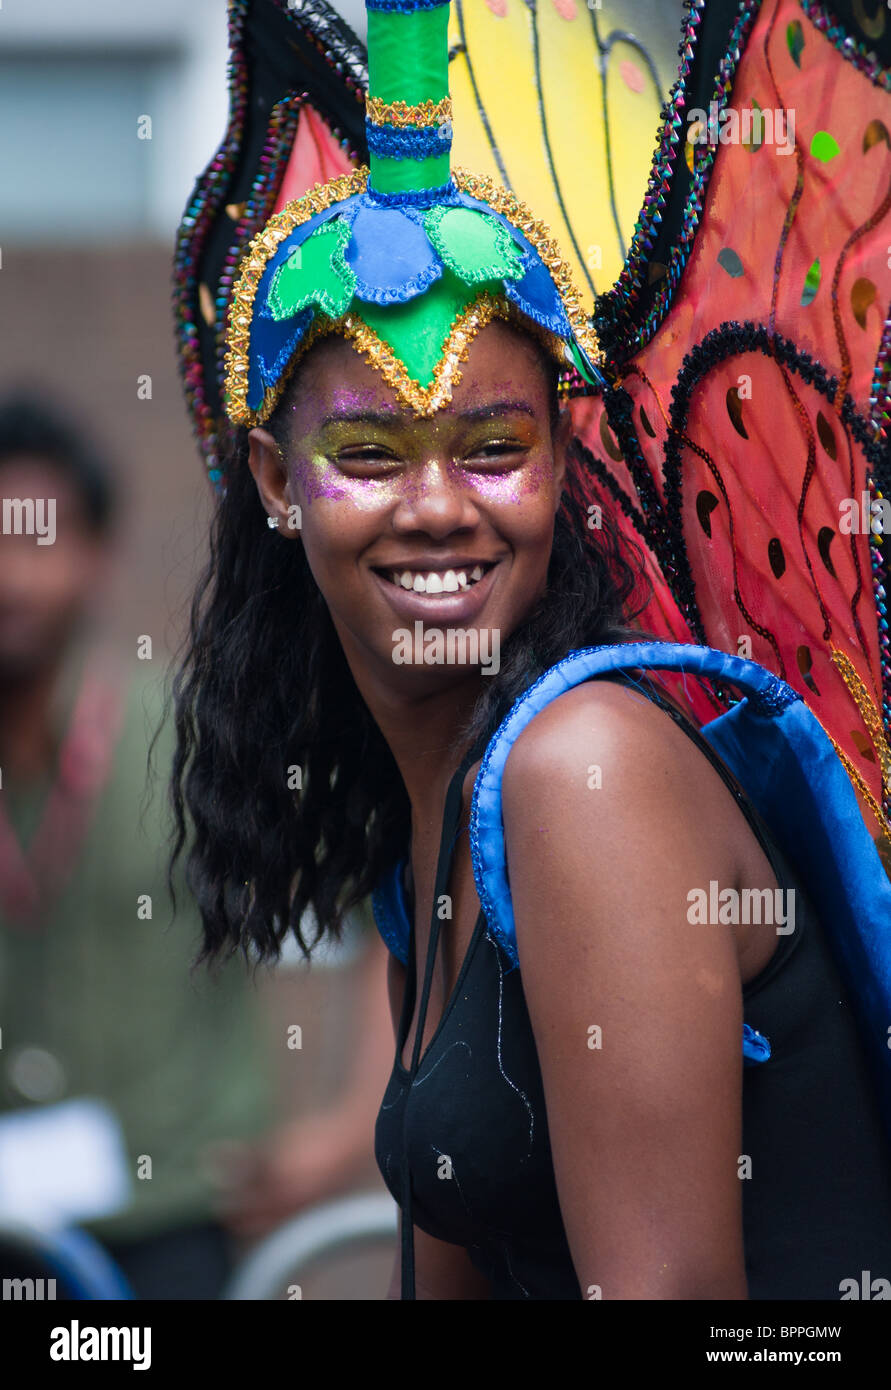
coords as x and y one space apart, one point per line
434 582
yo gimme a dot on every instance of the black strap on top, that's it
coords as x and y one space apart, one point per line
451 819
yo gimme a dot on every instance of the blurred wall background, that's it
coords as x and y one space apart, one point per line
89 213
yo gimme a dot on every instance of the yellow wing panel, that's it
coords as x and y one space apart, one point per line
551 101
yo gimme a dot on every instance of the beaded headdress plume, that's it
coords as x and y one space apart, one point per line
406 258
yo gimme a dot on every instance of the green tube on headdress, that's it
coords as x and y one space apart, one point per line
409 259
409 145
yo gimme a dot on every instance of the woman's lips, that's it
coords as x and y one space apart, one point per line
438 609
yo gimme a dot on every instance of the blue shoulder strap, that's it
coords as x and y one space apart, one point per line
388 907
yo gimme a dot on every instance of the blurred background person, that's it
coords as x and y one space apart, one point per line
125 1084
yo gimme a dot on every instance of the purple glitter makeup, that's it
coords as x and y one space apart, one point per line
315 478
513 486
320 477
351 402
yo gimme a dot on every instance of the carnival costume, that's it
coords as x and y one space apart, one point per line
729 393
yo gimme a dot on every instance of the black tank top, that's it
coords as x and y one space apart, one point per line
464 1148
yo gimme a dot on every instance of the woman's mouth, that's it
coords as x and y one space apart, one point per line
446 581
450 595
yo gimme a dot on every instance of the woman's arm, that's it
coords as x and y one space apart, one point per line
637 1014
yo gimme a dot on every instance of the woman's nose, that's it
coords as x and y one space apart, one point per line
434 500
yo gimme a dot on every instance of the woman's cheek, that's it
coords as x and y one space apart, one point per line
338 522
318 477
519 485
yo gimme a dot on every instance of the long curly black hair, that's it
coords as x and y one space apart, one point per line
262 688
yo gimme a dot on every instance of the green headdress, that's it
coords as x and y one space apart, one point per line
407 258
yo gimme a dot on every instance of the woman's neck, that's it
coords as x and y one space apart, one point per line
425 734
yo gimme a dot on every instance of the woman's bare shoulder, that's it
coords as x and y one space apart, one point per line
603 726
604 776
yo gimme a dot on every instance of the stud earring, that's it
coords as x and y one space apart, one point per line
272 521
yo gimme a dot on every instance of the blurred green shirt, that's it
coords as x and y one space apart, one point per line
108 995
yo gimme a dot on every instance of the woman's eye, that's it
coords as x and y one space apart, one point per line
498 449
370 454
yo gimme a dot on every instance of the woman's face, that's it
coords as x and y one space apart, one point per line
445 520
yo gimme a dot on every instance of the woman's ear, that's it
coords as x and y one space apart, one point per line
270 472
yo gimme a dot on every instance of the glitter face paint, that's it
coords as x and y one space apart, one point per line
317 472
512 486
406 437
388 490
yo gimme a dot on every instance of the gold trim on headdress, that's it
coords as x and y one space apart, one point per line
400 113
241 309
423 400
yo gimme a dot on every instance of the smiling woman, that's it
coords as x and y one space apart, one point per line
584 1100
301 623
